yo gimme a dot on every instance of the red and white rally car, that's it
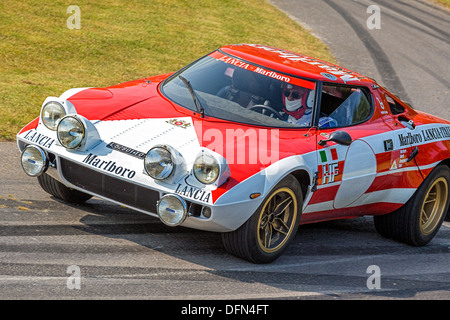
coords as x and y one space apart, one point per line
249 141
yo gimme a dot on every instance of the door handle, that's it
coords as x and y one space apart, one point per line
407 122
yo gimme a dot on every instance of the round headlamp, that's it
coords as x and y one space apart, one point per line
172 210
158 163
206 169
34 161
51 113
71 132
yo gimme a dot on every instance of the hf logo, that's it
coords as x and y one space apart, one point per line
329 169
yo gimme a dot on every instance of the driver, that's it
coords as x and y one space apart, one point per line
298 103
295 104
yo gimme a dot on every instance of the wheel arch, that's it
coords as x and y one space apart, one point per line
303 177
446 162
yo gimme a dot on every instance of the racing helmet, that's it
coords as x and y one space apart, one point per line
296 97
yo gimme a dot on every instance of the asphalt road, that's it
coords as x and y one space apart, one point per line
121 254
409 54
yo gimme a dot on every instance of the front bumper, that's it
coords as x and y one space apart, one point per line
111 183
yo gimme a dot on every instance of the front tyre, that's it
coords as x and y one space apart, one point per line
418 221
268 232
60 191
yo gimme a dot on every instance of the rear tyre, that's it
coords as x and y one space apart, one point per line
265 236
418 221
60 191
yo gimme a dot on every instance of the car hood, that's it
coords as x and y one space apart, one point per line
139 102
135 115
137 99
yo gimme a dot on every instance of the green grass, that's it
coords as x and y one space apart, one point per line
444 3
121 41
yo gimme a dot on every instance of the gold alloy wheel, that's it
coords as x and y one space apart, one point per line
433 206
277 219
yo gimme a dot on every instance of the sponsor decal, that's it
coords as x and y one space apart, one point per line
126 150
398 159
272 74
410 138
179 123
193 193
388 145
329 76
235 62
424 135
436 133
109 166
329 170
383 111
39 138
343 74
269 73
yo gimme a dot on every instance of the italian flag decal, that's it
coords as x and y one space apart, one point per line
328 155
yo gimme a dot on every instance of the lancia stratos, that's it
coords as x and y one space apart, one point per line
249 141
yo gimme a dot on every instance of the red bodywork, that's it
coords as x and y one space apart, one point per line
142 99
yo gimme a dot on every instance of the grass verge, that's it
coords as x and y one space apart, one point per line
444 3
120 41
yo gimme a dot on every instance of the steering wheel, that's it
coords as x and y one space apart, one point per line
267 111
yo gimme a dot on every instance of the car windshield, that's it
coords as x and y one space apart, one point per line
228 88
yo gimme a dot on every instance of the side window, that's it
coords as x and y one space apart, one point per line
394 106
346 105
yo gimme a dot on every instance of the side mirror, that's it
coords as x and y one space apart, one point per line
339 137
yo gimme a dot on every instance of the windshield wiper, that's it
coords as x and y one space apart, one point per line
194 96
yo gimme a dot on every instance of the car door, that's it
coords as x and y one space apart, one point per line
352 166
360 159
